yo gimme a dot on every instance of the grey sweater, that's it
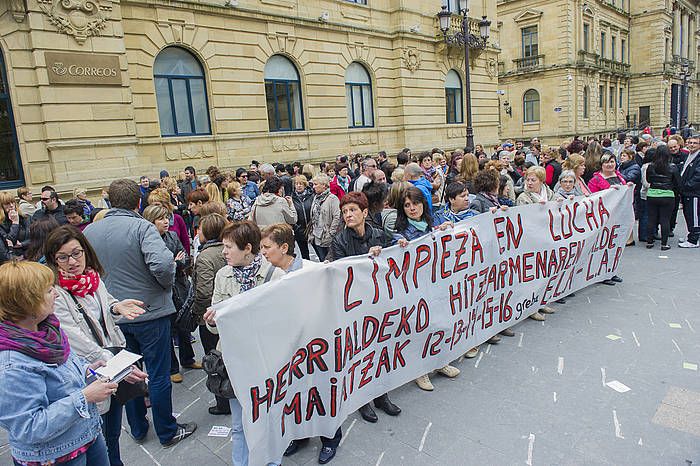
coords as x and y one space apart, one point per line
137 263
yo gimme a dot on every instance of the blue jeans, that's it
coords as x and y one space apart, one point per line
152 340
239 447
321 251
111 429
96 455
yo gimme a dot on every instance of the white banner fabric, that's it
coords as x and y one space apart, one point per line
306 351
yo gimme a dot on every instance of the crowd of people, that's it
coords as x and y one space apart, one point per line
80 280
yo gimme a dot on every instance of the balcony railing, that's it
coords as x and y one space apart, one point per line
456 25
529 63
473 29
614 66
587 58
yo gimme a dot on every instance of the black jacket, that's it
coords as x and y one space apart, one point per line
556 166
347 243
670 180
690 181
56 214
181 285
302 204
15 233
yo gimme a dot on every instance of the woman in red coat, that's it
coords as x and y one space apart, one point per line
340 184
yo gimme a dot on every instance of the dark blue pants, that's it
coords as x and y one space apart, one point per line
691 212
152 340
321 251
642 215
111 429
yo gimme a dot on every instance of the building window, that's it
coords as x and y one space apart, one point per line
283 95
452 5
358 89
181 93
613 43
623 50
529 38
453 98
611 95
359 2
601 96
622 92
585 102
11 175
531 106
602 45
586 36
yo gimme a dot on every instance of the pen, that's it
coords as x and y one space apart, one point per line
93 372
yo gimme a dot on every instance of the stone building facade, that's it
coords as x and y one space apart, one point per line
100 89
593 67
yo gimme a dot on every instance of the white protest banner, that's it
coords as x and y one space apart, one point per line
306 351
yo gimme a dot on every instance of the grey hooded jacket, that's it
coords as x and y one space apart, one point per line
136 261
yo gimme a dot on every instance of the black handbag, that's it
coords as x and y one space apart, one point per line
185 319
125 391
218 381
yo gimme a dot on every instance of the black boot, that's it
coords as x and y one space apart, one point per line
368 413
385 404
294 446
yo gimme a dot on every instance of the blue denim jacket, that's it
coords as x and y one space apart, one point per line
43 408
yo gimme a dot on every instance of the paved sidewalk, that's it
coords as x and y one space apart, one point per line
537 398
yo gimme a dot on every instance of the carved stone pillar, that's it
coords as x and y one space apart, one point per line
676 29
684 35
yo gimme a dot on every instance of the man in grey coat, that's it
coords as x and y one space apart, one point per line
139 265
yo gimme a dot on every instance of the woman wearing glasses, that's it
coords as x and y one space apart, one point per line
88 315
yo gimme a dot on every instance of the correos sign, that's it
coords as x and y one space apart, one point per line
75 70
83 68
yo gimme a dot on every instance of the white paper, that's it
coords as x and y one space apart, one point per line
618 386
673 325
219 431
690 366
613 337
116 366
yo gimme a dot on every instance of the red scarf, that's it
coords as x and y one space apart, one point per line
80 285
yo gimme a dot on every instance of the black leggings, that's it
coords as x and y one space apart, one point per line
660 210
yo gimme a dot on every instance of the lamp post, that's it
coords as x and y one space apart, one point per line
684 94
467 40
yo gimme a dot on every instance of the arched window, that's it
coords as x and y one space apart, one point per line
181 93
453 98
358 89
11 175
531 106
585 102
283 94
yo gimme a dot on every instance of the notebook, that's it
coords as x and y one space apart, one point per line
118 367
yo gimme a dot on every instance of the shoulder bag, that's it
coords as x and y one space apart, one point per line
218 381
125 391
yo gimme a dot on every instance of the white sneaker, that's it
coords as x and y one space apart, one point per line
688 245
424 383
449 371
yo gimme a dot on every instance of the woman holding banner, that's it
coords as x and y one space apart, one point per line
246 268
608 178
536 191
359 238
413 220
277 245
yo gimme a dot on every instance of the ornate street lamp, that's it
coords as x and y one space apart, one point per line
685 75
464 38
